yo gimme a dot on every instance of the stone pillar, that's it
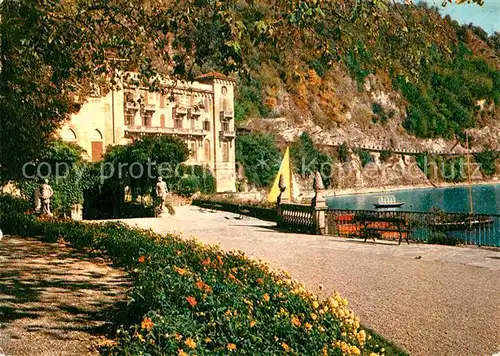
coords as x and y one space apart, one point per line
319 205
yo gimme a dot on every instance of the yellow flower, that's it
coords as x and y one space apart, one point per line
362 336
354 350
374 354
208 340
231 346
313 316
190 343
181 353
252 323
315 305
266 297
308 326
285 347
345 302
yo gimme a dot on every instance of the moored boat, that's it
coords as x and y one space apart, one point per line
388 201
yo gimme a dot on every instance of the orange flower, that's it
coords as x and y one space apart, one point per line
260 281
296 321
190 343
203 286
206 262
285 347
147 324
141 259
181 353
178 252
231 346
181 271
266 297
192 301
219 257
231 276
252 323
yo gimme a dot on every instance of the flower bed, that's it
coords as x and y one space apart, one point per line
189 298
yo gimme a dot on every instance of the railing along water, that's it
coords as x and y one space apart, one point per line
475 229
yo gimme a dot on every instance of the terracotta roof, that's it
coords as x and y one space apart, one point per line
214 75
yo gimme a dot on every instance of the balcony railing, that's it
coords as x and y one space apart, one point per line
164 130
226 114
131 106
149 107
225 134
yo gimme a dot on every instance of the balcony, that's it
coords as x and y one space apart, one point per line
196 112
227 135
226 114
131 106
180 110
156 130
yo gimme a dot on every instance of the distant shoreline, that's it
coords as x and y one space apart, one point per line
331 193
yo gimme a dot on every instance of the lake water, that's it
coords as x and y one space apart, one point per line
486 199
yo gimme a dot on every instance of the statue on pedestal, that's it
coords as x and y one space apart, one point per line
282 188
318 187
46 193
161 193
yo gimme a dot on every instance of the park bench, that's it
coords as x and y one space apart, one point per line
376 224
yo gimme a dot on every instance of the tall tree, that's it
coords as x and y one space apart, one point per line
52 49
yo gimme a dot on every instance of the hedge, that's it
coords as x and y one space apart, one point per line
192 299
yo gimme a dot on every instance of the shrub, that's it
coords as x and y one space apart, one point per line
385 155
260 157
343 152
307 159
365 157
187 297
440 238
487 161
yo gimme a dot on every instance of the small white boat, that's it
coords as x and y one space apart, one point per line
388 201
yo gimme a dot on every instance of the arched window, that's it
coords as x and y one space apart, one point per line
206 147
69 135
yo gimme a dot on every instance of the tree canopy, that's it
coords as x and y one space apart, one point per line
52 50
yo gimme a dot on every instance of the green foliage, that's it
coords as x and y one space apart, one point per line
249 100
152 156
66 172
259 156
187 296
443 102
364 156
441 238
343 152
307 159
487 161
385 155
449 169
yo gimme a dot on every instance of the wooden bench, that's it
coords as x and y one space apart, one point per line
394 224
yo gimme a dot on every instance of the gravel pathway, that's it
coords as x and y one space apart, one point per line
53 299
431 300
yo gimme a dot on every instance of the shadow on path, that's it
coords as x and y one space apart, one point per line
55 300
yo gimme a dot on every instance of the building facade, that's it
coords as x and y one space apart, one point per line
201 113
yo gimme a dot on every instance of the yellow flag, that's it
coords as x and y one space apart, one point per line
287 174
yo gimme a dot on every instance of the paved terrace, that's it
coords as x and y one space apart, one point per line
429 299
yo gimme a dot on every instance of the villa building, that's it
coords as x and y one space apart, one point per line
201 113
